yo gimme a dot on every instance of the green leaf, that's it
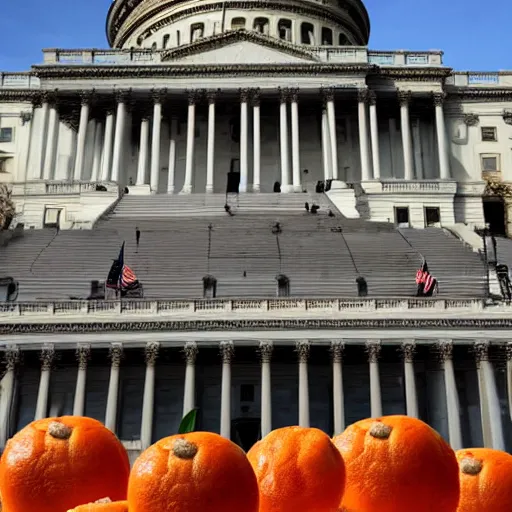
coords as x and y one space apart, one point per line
188 423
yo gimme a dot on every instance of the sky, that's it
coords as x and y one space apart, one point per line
474 35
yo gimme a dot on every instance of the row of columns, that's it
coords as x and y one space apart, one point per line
489 399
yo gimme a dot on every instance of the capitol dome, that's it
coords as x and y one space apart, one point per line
163 24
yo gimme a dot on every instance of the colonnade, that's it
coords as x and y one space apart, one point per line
492 428
109 138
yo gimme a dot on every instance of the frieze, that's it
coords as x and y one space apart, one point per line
227 325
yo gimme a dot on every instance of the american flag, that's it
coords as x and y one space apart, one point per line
424 277
121 276
128 278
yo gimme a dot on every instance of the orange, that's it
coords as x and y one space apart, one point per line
397 464
195 472
298 470
55 464
104 505
485 480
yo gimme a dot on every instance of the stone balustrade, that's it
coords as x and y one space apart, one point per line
270 308
61 187
410 187
480 79
25 80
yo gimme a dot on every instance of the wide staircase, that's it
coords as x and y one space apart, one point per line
322 255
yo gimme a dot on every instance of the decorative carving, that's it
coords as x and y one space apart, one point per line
244 95
211 95
47 356
190 349
116 354
86 97
294 95
25 117
471 119
227 351
445 348
404 97
151 353
192 96
122 95
283 94
302 348
12 357
408 348
373 350
337 349
45 96
362 95
83 353
372 97
496 188
256 97
438 98
158 95
481 349
507 116
328 94
266 348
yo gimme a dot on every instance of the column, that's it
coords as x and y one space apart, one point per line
302 347
116 353
83 353
117 152
326 145
40 137
227 351
143 151
256 144
452 398
331 118
12 357
98 148
294 95
85 98
373 349
374 135
244 163
47 355
283 131
442 149
364 146
266 348
337 348
158 97
509 377
107 146
146 431
25 132
490 408
51 142
404 97
210 150
173 128
189 163
189 394
416 143
411 397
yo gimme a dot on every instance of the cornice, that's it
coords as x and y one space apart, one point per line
482 94
19 95
414 74
197 70
316 11
221 40
245 325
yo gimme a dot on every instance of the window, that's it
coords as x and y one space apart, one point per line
3 165
402 216
490 163
196 31
237 23
6 134
165 41
432 216
153 47
307 33
261 25
326 36
178 40
284 28
489 134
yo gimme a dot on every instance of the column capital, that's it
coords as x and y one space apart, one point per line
151 353
362 95
373 348
244 95
86 97
283 94
122 95
192 96
481 349
116 354
302 347
45 96
211 95
471 119
227 351
12 357
294 94
158 95
53 99
255 97
109 111
265 349
337 349
372 97
408 348
508 349
445 348
25 117
328 94
190 350
83 354
404 98
47 356
438 98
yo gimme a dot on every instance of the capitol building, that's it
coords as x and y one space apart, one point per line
271 186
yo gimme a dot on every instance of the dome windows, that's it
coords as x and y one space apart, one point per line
196 31
307 34
326 36
238 23
284 29
261 25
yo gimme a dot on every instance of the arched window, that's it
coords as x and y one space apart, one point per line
153 47
196 31
261 25
237 23
284 29
326 36
165 41
307 34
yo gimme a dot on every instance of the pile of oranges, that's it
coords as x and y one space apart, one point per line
389 464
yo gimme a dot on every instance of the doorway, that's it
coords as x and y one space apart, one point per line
494 215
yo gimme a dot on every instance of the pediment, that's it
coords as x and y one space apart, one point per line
239 47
